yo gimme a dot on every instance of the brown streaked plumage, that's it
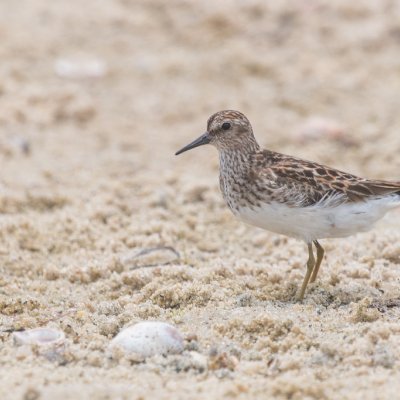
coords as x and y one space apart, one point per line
291 196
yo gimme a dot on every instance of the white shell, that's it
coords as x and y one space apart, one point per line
149 338
39 336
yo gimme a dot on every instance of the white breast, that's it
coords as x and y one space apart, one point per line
318 221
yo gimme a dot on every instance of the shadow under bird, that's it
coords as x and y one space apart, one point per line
291 196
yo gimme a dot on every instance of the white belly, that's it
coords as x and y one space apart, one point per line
318 222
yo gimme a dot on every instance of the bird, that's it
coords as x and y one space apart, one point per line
290 196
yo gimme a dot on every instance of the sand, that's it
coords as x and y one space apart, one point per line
95 98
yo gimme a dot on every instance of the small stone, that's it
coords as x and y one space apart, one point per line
149 338
39 337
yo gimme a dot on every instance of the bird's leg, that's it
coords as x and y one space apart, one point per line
310 267
320 256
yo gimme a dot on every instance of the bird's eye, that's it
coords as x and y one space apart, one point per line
226 126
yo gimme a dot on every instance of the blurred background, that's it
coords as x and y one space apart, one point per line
96 97
90 84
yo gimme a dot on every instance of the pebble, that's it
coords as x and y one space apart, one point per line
39 337
149 338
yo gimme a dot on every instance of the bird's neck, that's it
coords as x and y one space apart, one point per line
235 159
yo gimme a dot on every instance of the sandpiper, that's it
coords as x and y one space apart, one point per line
291 196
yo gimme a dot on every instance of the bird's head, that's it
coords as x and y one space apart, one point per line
226 130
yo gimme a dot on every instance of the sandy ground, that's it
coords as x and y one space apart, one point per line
95 97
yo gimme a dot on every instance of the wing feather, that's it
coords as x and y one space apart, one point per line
301 183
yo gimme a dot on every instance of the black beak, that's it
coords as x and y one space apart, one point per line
203 139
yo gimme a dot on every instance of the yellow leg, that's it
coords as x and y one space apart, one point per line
320 256
310 267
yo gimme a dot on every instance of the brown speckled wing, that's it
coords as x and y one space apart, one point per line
301 183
